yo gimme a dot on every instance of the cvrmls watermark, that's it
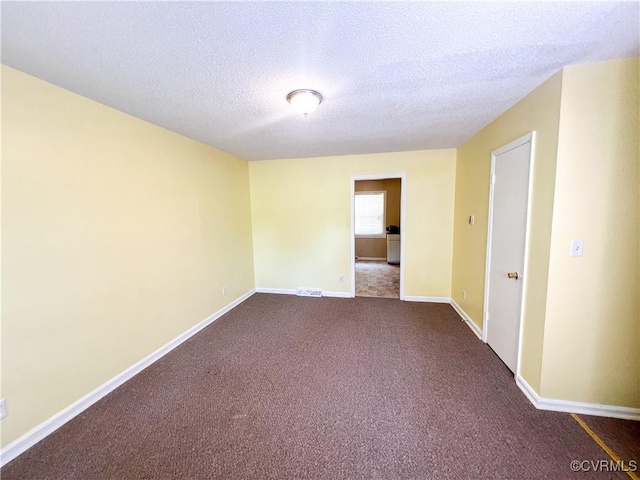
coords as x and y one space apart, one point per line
604 466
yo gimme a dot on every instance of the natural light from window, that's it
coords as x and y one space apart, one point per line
370 214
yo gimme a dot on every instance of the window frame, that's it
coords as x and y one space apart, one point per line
384 214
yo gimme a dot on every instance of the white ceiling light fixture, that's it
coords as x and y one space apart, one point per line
304 100
452 93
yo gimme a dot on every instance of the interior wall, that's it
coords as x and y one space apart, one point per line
301 211
377 247
540 112
593 307
117 236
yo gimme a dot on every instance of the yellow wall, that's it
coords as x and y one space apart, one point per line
593 317
539 111
117 236
377 247
302 228
582 315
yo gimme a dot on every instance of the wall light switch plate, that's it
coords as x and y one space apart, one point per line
472 219
3 409
577 248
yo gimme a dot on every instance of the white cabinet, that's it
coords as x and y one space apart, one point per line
393 248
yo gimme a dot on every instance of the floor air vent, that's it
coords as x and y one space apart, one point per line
309 292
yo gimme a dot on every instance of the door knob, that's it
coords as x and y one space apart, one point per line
513 275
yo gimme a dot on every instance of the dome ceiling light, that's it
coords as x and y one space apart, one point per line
305 100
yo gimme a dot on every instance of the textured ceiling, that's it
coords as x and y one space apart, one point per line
394 75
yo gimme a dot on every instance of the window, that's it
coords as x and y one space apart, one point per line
369 212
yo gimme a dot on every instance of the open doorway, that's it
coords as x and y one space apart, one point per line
377 242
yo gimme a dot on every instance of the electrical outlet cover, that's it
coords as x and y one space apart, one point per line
577 248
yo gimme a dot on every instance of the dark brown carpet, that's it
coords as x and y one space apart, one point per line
287 387
622 436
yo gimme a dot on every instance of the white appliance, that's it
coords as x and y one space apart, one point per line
393 248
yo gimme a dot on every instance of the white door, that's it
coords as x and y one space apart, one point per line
506 247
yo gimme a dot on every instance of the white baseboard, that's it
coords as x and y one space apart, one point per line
415 298
50 425
337 294
472 325
26 441
293 291
279 291
597 409
542 403
374 259
529 392
287 291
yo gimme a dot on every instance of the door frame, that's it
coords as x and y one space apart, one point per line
403 223
529 137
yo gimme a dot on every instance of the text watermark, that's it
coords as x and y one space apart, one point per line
604 466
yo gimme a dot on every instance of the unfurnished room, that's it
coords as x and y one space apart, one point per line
320 240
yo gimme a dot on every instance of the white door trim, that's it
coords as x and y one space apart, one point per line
403 223
529 137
